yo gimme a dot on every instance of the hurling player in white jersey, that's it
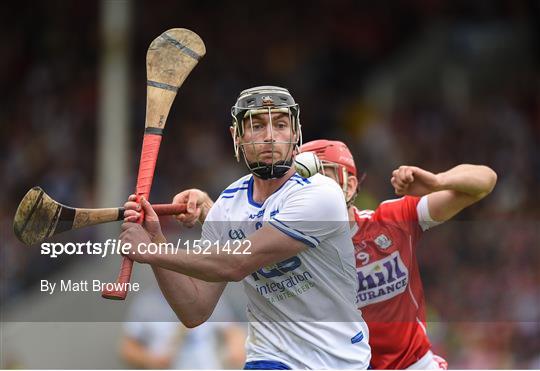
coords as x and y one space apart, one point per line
390 293
299 274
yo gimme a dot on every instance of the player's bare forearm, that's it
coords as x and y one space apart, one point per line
266 246
192 300
474 180
222 267
215 264
448 192
460 187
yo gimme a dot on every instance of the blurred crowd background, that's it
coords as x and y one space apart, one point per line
431 83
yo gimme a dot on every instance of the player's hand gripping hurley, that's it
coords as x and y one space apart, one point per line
169 60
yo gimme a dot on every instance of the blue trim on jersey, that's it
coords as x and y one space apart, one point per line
250 194
296 175
289 232
266 365
250 189
233 190
357 338
296 230
295 180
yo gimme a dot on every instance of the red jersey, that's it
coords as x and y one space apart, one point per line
390 292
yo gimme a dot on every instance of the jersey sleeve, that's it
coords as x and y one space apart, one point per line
210 226
312 214
424 217
401 211
409 212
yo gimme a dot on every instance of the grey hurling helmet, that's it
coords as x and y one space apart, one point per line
265 100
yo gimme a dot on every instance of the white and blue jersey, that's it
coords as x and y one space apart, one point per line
301 311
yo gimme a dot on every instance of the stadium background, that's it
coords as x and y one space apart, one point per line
429 83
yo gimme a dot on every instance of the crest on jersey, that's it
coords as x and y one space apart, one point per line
237 234
383 242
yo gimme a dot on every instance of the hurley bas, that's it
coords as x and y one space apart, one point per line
86 286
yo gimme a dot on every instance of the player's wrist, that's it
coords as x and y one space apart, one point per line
205 207
441 182
159 238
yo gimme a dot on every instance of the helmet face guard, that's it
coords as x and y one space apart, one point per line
271 101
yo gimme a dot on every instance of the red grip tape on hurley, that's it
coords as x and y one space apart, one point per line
147 165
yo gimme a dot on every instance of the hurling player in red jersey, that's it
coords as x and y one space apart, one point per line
390 292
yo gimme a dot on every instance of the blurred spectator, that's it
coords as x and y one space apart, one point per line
155 339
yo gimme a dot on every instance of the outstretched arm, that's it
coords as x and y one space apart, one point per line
448 192
266 246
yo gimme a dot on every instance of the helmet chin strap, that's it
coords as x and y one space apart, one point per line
274 171
351 201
